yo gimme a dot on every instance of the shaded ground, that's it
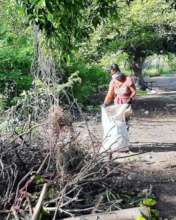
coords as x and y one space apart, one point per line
157 165
164 83
153 134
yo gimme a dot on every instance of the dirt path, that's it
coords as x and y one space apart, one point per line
153 134
164 83
156 139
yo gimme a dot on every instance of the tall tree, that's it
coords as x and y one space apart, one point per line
65 23
143 28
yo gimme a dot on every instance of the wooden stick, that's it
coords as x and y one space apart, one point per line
29 205
42 164
123 214
26 132
5 211
97 204
39 203
15 214
8 216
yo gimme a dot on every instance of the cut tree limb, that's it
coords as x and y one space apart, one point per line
123 214
39 203
15 214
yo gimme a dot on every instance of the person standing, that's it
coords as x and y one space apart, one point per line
121 90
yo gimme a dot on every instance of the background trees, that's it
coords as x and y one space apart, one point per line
15 52
84 36
143 28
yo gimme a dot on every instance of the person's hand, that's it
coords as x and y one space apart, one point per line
129 101
104 105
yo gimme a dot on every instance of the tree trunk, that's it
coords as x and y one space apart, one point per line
137 66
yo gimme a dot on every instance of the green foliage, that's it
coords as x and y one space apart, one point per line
14 72
2 103
160 65
66 23
141 93
92 78
148 28
15 54
149 202
118 57
155 214
140 218
15 66
142 30
39 179
36 102
95 31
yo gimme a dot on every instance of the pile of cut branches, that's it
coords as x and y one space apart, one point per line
51 176
45 171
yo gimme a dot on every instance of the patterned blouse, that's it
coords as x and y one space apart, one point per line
119 91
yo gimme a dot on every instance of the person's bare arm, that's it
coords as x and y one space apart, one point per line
110 95
133 93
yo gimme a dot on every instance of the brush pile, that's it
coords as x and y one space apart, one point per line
47 174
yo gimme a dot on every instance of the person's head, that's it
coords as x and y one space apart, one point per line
114 68
120 77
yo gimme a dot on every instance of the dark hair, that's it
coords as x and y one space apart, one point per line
115 67
121 77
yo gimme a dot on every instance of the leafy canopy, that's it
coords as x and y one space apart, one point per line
143 28
67 22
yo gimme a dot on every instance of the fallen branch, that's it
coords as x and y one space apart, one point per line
29 205
24 188
39 203
15 213
28 131
123 214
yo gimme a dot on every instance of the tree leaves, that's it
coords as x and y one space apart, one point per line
69 21
149 202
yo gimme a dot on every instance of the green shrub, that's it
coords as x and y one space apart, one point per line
14 69
160 65
92 78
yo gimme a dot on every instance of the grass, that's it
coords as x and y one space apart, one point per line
158 72
141 93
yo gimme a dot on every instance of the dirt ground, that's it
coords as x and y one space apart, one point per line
153 134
